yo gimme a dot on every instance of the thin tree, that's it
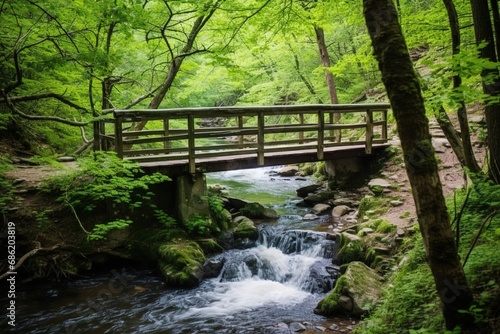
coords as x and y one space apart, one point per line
484 33
403 89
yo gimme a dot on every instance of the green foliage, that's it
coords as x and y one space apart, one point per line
218 212
106 179
199 225
100 231
354 249
373 206
410 301
7 196
165 219
42 217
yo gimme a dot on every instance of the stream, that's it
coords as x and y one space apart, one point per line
260 290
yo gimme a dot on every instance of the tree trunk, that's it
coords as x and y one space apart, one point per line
175 65
484 33
325 60
468 153
451 134
403 89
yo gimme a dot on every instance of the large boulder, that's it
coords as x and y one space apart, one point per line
355 292
307 190
288 171
181 263
340 210
319 197
320 208
258 211
245 234
245 228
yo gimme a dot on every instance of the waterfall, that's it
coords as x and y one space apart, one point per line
285 268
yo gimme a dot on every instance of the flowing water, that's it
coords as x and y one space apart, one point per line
278 281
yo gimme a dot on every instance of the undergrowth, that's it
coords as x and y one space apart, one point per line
104 179
410 303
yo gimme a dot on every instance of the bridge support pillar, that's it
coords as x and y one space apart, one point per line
350 172
191 199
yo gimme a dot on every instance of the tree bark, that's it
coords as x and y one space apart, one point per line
176 63
468 153
484 33
325 60
403 89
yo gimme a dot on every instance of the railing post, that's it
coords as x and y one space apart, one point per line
384 125
191 145
301 120
240 126
166 133
369 131
260 139
321 134
97 136
118 136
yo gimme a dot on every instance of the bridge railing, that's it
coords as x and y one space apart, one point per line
182 134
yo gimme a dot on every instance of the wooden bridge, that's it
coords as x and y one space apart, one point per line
191 140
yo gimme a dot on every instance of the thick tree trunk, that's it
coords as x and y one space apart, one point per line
403 89
484 33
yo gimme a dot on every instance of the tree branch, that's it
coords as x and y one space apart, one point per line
24 258
44 96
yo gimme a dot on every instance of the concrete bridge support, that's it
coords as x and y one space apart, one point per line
351 172
191 199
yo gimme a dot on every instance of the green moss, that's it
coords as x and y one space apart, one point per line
380 225
181 263
246 229
358 282
329 305
210 246
353 249
373 206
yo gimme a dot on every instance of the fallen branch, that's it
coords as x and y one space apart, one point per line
24 258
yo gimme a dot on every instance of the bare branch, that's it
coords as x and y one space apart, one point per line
44 96
24 258
58 23
19 77
13 108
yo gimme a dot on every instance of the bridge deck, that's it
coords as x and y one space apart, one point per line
216 164
178 141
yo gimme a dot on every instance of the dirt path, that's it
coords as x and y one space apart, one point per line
450 171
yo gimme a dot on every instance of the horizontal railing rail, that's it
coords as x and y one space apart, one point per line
182 133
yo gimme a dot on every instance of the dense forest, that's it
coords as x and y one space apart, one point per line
64 67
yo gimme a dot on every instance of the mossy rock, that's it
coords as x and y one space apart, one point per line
352 248
210 246
181 263
245 229
355 292
257 210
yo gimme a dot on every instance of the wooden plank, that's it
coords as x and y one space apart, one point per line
191 145
321 135
118 137
369 131
248 110
384 125
166 133
260 139
240 126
